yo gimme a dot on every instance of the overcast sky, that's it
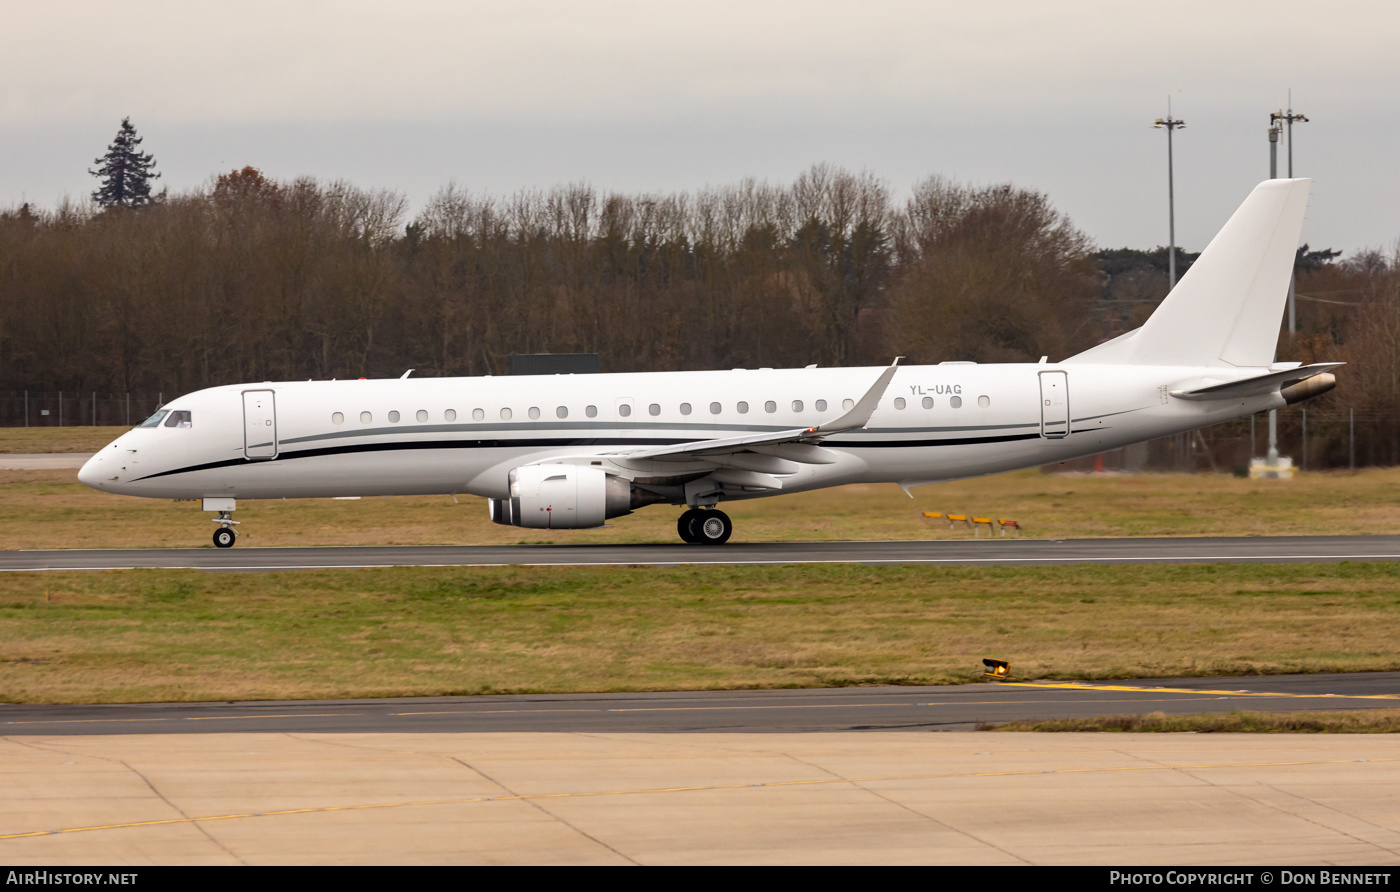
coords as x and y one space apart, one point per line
664 96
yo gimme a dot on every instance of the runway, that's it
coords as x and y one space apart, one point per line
997 552
941 708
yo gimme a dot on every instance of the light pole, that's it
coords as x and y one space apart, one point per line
1169 124
1271 458
1288 118
1271 466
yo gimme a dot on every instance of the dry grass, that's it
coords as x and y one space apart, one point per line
57 439
185 635
50 509
1371 721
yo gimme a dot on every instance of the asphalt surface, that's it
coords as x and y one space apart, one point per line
945 708
1004 552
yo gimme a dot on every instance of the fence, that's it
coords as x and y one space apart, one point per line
36 408
1315 440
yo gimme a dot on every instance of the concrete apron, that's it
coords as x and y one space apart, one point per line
527 798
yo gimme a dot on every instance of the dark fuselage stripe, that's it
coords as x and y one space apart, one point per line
567 443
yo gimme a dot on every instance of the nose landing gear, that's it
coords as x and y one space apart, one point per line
225 535
705 527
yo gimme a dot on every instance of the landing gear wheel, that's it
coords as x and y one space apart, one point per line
685 525
223 537
712 527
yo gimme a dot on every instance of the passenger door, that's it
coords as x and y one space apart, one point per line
259 424
1054 405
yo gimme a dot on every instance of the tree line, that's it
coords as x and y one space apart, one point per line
252 279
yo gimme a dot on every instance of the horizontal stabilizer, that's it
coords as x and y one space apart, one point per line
1256 386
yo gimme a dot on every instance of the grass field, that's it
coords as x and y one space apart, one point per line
170 635
57 439
186 635
47 509
50 509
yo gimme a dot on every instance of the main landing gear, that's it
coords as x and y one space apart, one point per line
701 526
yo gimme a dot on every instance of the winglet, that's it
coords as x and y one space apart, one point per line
859 415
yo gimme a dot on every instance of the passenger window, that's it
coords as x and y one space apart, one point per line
984 401
506 414
421 415
562 412
821 405
685 408
770 406
743 407
928 402
624 410
154 420
955 402
797 405
654 409
451 414
591 411
899 402
714 408
478 415
534 412
178 418
394 417
337 418
366 418
848 405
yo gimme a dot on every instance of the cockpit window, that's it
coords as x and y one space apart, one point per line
179 418
154 420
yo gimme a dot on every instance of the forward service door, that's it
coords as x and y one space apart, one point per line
259 424
1054 405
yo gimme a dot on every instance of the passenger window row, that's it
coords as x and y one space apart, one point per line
653 409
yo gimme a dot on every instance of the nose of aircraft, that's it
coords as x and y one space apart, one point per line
90 473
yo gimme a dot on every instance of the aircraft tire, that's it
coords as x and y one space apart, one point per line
223 538
713 527
685 525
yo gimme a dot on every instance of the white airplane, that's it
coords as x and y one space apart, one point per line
570 452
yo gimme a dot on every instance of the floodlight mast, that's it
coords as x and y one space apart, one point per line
1287 118
1169 124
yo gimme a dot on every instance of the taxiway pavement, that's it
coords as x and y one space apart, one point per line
1003 552
934 708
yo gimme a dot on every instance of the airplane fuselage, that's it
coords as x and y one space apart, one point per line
465 435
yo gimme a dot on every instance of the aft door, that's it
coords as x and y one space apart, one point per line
1054 405
259 424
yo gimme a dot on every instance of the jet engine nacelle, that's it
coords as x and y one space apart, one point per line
562 497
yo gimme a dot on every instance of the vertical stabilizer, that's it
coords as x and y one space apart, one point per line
1227 308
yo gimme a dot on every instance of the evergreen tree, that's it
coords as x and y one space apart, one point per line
125 173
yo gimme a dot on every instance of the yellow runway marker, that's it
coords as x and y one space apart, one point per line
688 789
1144 690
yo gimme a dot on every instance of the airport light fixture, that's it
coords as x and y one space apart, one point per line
1288 118
1169 124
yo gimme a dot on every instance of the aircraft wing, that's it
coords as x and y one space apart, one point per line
855 418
